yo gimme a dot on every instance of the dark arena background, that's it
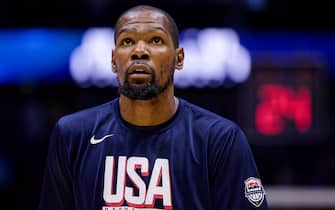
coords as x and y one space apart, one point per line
268 65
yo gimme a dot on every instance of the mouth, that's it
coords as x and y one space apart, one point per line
139 69
139 73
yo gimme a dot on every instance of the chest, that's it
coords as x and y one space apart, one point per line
142 170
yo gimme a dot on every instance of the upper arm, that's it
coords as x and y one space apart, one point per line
232 169
57 188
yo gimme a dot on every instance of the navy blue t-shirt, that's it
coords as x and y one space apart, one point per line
196 160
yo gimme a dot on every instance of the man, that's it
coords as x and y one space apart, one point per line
148 149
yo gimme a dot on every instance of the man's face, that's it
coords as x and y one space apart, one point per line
144 56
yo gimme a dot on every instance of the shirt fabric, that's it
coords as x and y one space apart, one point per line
197 160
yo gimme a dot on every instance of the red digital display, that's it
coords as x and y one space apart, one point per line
285 100
278 104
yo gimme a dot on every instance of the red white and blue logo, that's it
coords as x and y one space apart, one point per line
254 191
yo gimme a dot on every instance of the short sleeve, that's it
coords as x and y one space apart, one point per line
57 190
233 174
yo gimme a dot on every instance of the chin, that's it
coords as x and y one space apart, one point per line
140 91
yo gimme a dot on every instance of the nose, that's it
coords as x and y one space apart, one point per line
140 51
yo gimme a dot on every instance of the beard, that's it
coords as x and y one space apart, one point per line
144 91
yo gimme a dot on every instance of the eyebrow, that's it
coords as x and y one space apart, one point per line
135 30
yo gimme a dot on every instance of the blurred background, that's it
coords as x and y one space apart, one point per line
268 65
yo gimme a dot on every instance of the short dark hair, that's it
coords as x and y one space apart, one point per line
173 28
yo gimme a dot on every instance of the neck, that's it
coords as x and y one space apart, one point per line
149 112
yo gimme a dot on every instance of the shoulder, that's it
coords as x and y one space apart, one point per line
206 118
85 118
221 132
223 138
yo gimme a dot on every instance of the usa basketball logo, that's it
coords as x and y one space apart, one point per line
254 191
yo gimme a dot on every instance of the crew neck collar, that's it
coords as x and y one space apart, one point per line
148 129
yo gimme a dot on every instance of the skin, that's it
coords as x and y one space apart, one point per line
143 41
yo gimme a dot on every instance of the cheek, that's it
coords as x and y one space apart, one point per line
166 64
164 58
121 60
121 77
121 65
121 56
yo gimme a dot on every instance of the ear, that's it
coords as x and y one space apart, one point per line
179 58
113 61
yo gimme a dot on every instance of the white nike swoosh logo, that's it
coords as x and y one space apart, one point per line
97 141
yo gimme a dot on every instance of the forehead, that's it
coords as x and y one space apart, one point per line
142 18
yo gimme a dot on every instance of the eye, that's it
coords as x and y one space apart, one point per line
157 40
127 42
